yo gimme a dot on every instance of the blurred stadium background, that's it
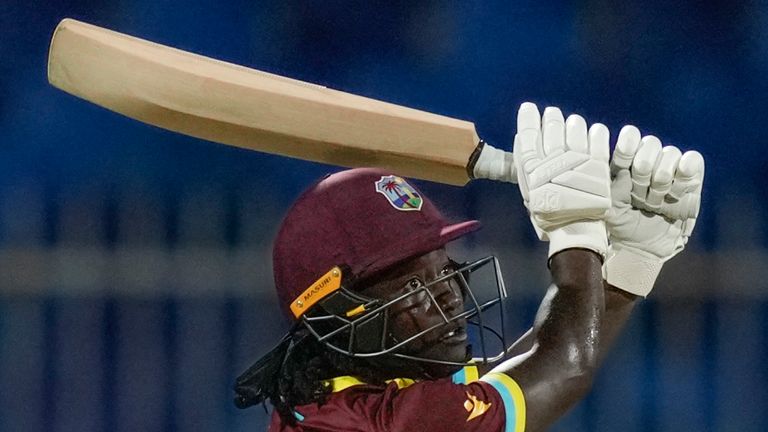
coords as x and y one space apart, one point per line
135 275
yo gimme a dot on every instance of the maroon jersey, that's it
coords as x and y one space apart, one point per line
458 403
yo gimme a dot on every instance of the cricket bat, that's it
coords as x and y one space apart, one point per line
230 104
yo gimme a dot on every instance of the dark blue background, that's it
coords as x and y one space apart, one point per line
80 186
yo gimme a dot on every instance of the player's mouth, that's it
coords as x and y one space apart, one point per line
457 335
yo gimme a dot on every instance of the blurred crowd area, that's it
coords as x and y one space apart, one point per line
135 275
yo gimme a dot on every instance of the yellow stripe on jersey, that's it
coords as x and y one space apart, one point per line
344 382
514 401
466 375
472 374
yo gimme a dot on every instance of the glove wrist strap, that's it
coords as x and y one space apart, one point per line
583 235
632 270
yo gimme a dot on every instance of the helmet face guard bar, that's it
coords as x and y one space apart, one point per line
358 326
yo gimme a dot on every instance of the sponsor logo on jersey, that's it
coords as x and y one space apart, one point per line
475 407
399 193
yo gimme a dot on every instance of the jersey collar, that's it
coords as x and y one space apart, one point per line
466 375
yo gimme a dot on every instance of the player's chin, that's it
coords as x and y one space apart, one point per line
449 349
457 354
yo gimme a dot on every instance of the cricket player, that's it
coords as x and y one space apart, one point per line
381 311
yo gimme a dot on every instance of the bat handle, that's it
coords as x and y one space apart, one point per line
488 162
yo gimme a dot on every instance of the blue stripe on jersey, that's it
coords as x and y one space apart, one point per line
467 374
459 377
512 396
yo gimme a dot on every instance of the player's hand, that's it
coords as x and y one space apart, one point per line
564 177
656 196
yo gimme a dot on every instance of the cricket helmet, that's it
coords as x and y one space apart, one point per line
348 227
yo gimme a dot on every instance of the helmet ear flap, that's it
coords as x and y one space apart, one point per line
346 304
363 334
370 334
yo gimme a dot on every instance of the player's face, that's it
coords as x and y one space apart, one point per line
417 312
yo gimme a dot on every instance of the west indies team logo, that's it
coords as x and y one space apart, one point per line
399 193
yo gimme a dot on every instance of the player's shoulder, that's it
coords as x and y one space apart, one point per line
463 401
351 406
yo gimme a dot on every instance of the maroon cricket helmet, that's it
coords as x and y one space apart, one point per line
363 220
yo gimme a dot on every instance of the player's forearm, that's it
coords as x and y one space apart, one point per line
619 305
567 326
564 178
558 369
618 308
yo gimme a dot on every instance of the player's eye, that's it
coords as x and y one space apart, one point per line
414 284
448 269
455 266
417 297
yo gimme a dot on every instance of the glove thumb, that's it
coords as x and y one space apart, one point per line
621 187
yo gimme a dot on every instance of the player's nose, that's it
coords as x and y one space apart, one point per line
449 297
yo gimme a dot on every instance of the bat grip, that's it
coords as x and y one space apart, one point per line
488 162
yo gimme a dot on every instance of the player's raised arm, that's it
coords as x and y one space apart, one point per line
565 182
656 195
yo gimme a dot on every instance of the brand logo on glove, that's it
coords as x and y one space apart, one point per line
546 202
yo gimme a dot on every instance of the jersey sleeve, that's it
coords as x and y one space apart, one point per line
494 403
512 397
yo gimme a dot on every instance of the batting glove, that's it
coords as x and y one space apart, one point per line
564 177
656 194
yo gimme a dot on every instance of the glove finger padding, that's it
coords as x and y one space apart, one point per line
689 175
528 117
599 148
661 180
564 178
553 130
576 137
691 172
627 145
643 166
527 156
684 198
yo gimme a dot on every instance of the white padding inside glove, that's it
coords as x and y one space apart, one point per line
632 270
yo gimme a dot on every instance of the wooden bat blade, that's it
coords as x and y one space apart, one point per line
235 105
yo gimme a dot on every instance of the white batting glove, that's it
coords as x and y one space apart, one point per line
656 196
564 178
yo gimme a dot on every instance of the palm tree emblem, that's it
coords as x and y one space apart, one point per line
399 193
